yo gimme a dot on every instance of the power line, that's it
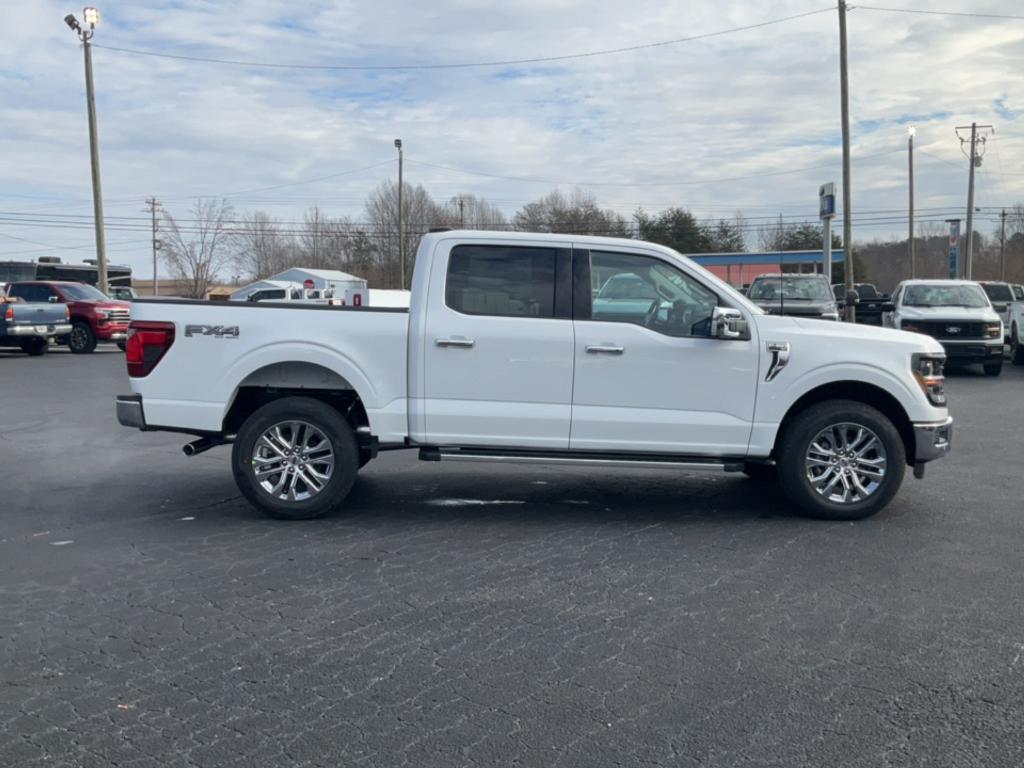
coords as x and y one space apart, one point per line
464 65
931 12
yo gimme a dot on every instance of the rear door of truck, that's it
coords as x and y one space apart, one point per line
498 345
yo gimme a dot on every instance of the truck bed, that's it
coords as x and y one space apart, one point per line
219 348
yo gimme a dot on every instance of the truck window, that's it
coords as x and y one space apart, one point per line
649 292
504 281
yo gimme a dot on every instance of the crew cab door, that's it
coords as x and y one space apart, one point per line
649 377
498 346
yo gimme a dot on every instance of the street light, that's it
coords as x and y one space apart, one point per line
911 130
401 218
92 19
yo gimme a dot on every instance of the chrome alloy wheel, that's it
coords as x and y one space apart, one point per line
293 461
845 463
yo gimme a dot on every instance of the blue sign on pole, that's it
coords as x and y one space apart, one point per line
954 248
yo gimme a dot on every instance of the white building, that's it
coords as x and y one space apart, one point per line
299 277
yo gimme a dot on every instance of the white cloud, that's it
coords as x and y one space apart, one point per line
752 103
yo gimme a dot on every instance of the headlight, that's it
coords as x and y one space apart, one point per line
994 330
928 371
101 314
832 315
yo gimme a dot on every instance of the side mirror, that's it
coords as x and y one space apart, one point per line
852 297
888 307
53 299
729 323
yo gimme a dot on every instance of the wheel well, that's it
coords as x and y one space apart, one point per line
861 392
279 380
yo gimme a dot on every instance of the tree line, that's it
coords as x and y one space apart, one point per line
215 240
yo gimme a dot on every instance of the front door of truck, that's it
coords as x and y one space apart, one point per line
498 346
649 376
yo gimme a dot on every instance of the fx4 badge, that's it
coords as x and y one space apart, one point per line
218 331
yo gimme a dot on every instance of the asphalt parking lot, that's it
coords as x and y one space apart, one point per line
472 616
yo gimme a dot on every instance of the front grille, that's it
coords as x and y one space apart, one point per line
953 329
118 315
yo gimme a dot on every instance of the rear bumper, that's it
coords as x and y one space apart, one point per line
41 330
129 411
933 440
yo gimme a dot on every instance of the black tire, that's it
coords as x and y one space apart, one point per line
364 457
762 473
1016 350
795 443
81 340
993 369
336 431
122 345
34 347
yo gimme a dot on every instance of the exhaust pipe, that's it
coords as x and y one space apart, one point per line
201 445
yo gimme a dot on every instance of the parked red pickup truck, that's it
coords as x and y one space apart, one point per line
94 316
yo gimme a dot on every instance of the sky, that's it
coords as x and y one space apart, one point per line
747 121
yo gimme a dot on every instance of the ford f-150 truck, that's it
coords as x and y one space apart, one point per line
31 326
94 316
500 358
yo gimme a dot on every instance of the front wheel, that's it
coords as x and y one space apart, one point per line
34 347
81 340
841 460
295 458
993 369
1016 350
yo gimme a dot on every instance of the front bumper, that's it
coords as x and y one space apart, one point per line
973 349
932 441
129 411
49 329
115 333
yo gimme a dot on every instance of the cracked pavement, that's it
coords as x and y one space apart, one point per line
608 618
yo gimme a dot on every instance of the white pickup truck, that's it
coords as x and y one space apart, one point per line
504 355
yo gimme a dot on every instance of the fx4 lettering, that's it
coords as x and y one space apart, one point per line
220 331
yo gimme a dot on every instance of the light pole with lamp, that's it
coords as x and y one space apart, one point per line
401 218
910 165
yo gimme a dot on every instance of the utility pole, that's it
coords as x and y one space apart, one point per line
401 218
974 158
844 105
462 213
91 18
1002 246
152 207
910 231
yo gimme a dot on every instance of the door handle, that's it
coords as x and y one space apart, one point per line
454 342
607 349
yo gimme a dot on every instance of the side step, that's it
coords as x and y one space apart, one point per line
584 459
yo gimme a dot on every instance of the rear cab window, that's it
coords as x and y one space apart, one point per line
504 281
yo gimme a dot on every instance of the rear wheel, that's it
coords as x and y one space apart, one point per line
993 369
34 347
295 458
1016 349
841 460
81 340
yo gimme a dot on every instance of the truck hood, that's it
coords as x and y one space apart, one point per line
797 307
976 314
833 335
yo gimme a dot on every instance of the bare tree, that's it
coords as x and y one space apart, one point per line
576 214
259 248
472 212
420 214
198 249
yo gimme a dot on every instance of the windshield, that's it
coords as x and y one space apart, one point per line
945 296
998 291
1018 292
82 292
867 291
789 289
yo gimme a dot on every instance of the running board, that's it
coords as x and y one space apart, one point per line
583 459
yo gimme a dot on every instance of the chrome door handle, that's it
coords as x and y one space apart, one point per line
456 342
607 349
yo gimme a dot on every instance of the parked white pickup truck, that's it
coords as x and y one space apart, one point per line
504 356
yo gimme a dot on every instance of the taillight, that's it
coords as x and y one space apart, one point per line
9 312
146 345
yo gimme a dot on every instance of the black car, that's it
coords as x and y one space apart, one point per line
870 302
